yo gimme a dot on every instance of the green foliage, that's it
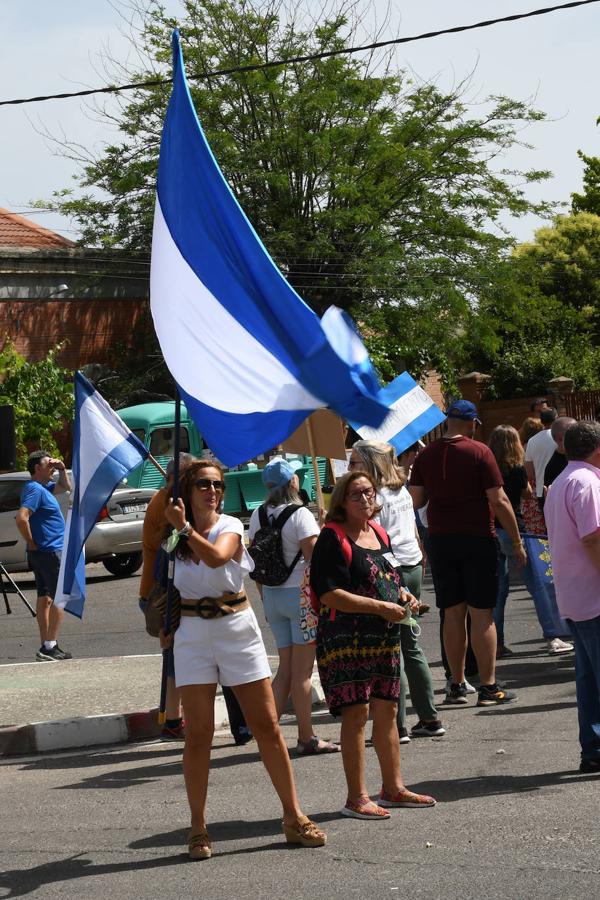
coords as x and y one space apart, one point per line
373 193
546 321
563 262
589 200
41 394
526 365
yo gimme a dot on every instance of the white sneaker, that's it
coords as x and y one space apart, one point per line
469 687
557 646
404 736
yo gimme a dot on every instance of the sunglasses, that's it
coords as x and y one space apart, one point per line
203 484
356 496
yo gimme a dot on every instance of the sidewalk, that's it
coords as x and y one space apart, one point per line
86 702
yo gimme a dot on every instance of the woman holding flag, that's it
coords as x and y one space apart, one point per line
219 640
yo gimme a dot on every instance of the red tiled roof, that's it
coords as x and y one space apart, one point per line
15 231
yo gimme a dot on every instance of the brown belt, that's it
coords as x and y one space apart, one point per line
213 607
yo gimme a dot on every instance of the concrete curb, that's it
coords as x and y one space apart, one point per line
93 731
88 731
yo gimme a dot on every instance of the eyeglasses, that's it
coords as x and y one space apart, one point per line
356 496
354 462
203 484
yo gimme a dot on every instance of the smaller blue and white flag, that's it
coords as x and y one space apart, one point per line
412 413
104 452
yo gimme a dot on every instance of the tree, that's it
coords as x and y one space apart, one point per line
550 311
564 262
374 193
41 394
589 200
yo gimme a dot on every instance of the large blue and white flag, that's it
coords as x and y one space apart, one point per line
104 452
250 358
411 414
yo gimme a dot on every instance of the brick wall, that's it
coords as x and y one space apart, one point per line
91 327
432 385
503 412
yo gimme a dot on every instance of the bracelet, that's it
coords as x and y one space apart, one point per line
518 544
185 531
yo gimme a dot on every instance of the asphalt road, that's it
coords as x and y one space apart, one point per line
112 624
514 818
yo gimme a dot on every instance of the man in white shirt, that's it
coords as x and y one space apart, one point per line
539 450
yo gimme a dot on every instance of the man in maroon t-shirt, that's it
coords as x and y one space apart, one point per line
460 479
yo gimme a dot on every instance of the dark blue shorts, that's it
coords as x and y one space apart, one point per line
45 565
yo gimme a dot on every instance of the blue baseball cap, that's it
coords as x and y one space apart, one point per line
279 471
463 409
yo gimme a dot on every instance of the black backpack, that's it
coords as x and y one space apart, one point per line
267 548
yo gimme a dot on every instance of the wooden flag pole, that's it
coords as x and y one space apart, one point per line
156 463
311 447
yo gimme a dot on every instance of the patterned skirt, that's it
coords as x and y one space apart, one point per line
358 658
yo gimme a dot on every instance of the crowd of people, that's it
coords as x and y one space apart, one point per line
346 591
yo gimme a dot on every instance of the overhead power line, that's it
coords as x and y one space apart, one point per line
255 67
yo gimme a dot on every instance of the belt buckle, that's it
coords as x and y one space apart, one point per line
206 611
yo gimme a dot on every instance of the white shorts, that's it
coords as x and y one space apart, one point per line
228 650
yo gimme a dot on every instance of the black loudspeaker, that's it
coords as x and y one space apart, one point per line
8 455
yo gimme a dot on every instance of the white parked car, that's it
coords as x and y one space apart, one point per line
115 540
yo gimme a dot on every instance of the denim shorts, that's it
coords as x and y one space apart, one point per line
45 565
282 612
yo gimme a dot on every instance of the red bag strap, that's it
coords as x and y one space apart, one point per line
379 530
346 546
342 537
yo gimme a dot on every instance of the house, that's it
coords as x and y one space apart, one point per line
51 291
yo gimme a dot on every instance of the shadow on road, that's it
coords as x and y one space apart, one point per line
117 778
19 882
91 759
454 789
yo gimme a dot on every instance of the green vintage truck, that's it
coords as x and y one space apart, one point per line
154 425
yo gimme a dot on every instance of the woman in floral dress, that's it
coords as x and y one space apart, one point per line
359 586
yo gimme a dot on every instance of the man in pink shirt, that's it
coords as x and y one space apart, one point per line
572 514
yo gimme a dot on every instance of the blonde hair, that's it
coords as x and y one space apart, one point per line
530 426
337 513
380 463
506 446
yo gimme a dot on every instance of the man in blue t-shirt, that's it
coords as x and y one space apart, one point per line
42 527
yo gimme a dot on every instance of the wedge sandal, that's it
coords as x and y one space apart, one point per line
305 833
199 845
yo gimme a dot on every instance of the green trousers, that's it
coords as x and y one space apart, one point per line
415 674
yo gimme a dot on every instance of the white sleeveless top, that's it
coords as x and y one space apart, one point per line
194 580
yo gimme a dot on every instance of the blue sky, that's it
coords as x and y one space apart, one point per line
51 47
